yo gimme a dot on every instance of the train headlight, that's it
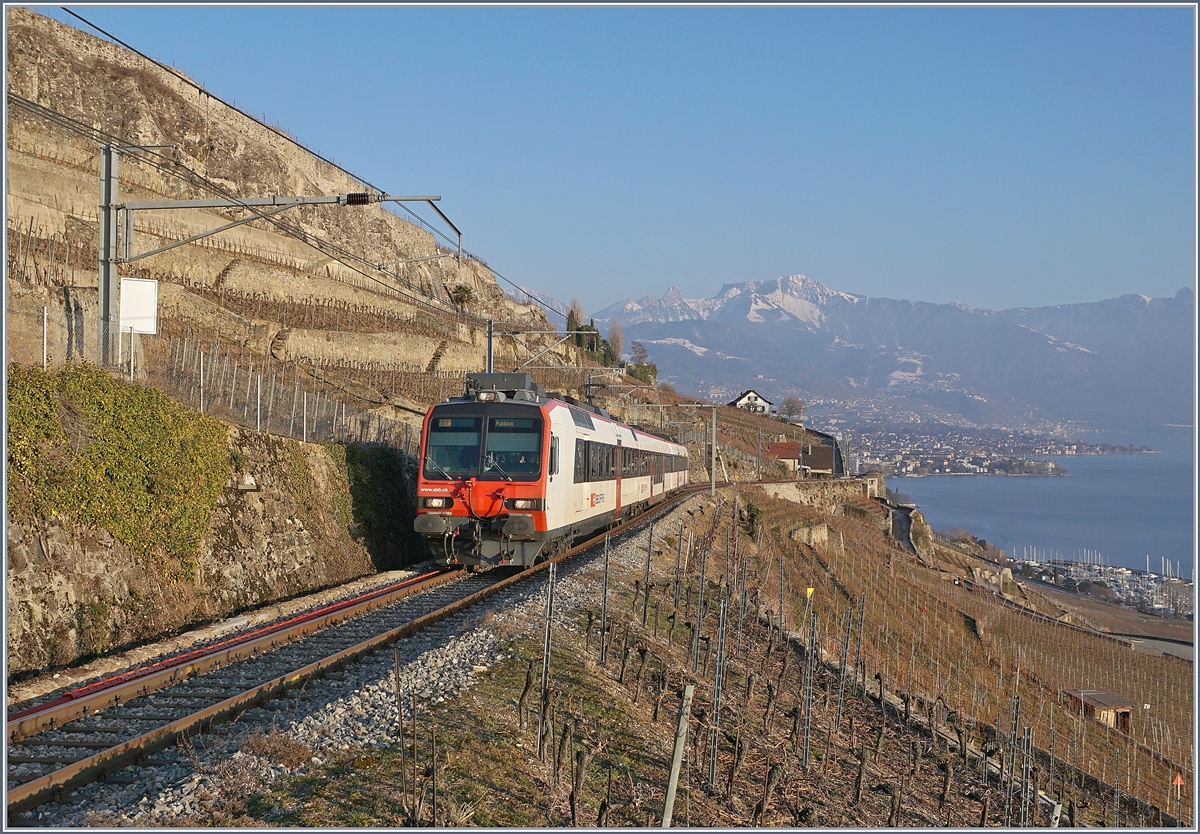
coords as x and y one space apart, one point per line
437 503
524 504
490 397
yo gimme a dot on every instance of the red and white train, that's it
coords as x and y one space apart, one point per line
512 475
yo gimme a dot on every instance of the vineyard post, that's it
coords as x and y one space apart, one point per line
295 403
782 635
718 685
646 580
681 732
810 673
1026 753
741 608
400 721
678 556
837 721
546 663
1012 748
1117 789
414 745
604 608
1050 780
862 618
700 606
736 530
728 546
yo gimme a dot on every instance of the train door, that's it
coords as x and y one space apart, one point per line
617 465
657 479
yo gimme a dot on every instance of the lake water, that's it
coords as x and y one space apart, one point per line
1121 506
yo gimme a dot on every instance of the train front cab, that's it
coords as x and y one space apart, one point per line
481 489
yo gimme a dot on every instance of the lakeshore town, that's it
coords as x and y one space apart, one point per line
927 450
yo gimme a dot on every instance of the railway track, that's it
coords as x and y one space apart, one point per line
94 731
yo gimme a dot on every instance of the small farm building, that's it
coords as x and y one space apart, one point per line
1106 707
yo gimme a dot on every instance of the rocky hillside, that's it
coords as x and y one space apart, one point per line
272 286
1127 359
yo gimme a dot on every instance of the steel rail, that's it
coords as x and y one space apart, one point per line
95 697
44 788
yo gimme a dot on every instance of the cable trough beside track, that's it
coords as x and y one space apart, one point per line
94 731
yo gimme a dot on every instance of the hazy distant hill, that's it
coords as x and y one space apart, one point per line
1127 358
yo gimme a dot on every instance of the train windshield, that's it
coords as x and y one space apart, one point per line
452 448
514 446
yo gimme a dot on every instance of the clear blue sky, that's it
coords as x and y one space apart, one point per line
995 156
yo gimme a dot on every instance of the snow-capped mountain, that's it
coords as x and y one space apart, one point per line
1128 358
795 297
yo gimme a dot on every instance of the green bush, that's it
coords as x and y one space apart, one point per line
647 372
754 515
91 448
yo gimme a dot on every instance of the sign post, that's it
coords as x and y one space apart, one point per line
138 312
1177 783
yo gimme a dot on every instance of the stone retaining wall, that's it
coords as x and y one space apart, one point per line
825 496
285 525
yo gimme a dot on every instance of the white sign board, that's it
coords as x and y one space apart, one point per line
139 305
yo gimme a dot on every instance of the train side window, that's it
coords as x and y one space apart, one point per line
581 458
595 461
553 455
582 419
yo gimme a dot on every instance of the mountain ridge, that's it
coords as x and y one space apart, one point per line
1128 357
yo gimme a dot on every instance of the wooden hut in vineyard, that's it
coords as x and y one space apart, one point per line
1106 707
